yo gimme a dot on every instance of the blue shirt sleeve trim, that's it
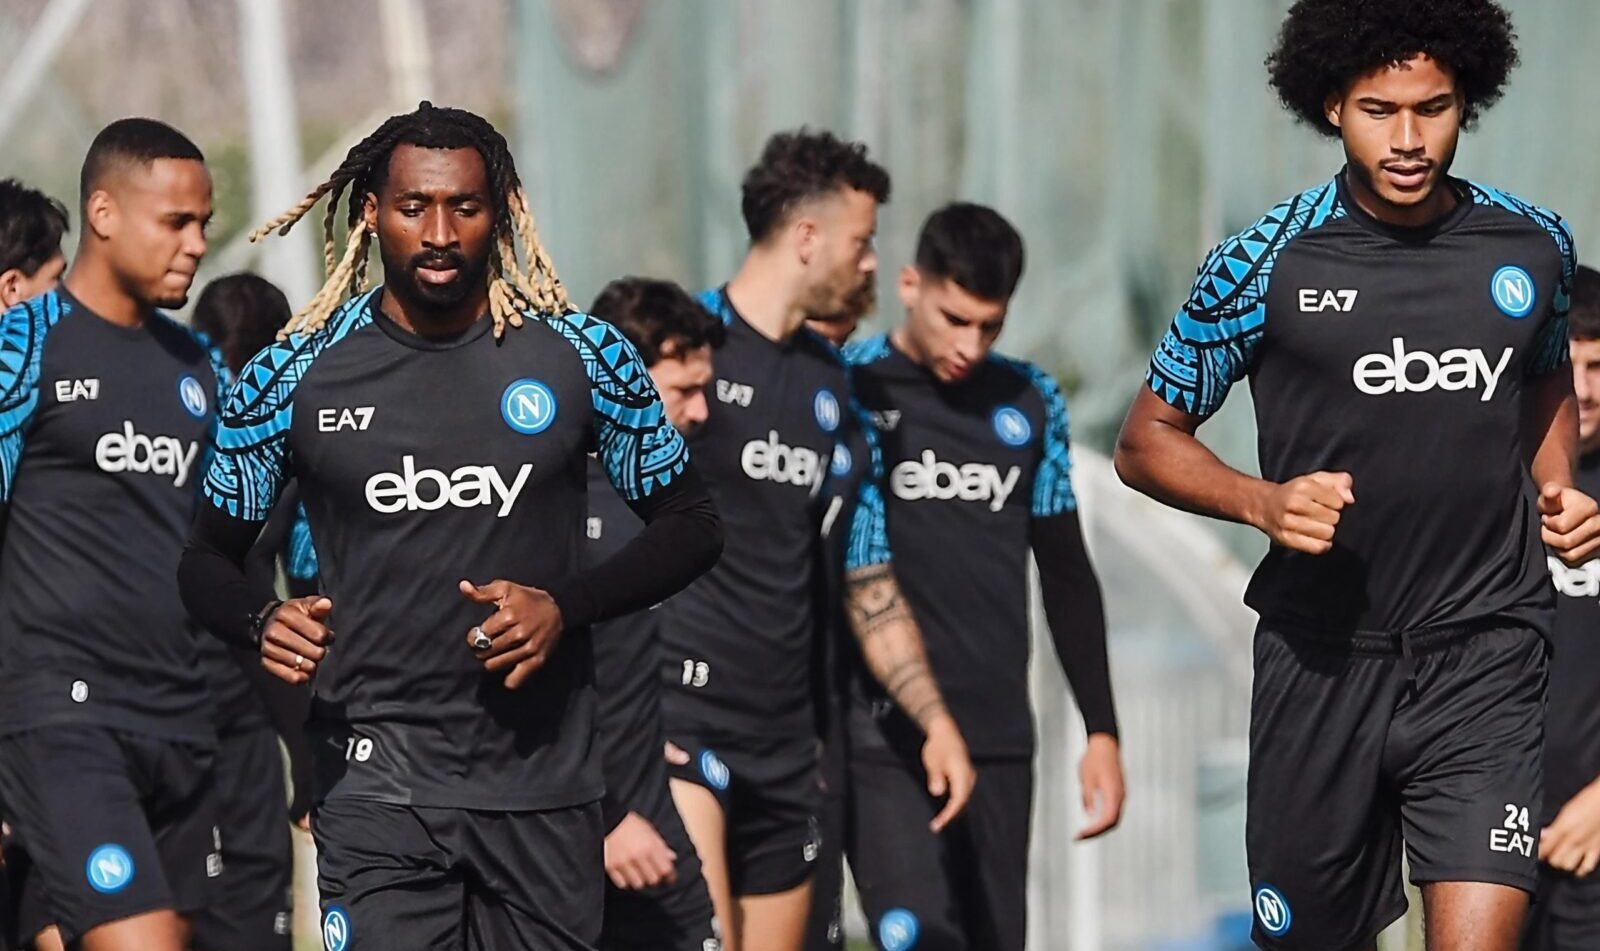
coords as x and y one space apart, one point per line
23 329
252 458
1212 342
636 443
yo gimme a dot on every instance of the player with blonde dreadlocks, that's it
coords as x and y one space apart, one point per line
510 289
457 783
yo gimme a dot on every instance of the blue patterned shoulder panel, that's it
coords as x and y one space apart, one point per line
23 329
1052 482
637 444
1214 336
251 463
1550 346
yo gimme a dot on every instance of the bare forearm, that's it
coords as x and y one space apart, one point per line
1553 421
891 643
1173 467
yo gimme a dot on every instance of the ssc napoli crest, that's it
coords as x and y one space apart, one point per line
826 407
898 930
840 467
1272 911
528 407
109 869
1512 290
1012 426
335 929
193 396
714 770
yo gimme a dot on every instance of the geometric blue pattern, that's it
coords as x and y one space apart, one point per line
636 443
251 467
716 301
22 333
1550 345
868 543
300 561
859 353
1213 338
1052 481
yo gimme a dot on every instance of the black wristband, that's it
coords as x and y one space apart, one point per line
258 622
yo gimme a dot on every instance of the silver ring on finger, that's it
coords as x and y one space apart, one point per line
298 660
480 640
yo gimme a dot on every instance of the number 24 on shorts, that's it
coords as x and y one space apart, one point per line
1514 834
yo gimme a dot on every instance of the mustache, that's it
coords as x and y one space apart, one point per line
438 260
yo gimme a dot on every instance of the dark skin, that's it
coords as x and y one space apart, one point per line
1399 126
435 226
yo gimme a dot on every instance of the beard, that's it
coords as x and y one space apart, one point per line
470 275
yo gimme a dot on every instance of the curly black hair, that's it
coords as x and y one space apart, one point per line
803 164
1583 320
31 226
1324 44
658 317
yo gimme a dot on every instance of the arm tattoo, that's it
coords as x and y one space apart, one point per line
891 642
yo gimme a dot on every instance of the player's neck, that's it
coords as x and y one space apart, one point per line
92 284
902 340
1440 202
434 322
766 298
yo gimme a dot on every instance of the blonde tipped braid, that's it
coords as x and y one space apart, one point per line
550 295
314 316
285 221
505 263
330 247
358 281
506 305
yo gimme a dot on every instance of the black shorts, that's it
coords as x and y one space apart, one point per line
770 796
396 876
1567 915
252 911
106 825
1353 752
673 917
825 923
965 888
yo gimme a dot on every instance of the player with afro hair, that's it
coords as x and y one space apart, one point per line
1404 334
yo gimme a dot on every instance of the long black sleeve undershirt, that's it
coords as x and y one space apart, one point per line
211 576
1075 610
680 541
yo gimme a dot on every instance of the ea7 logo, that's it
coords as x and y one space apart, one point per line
332 419
1514 836
69 390
1314 300
737 393
888 420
